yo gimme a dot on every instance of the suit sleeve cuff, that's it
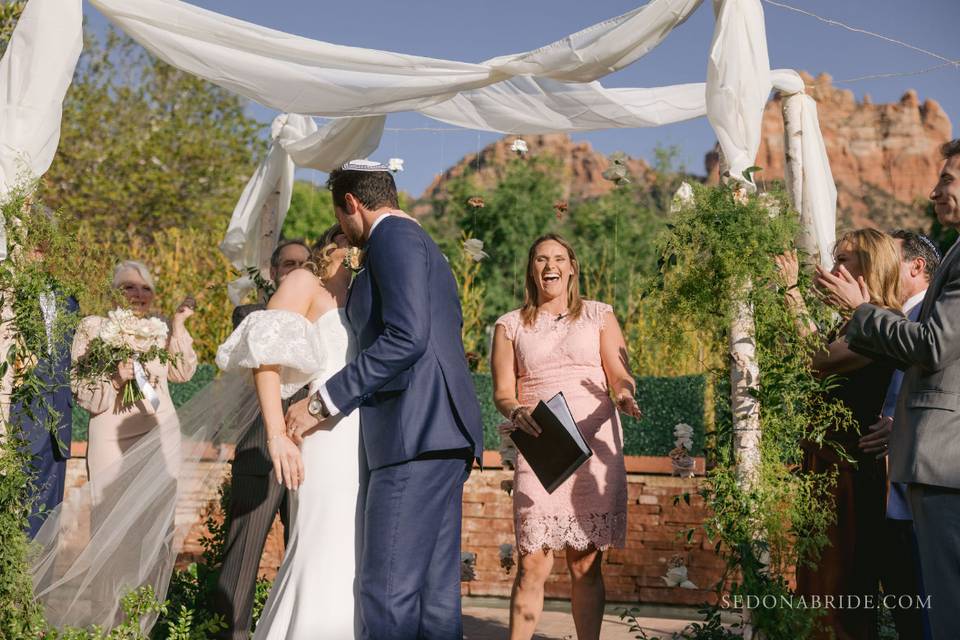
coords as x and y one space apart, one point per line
321 388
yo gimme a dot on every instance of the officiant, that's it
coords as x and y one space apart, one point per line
559 342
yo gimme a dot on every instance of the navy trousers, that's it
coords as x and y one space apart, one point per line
49 472
410 569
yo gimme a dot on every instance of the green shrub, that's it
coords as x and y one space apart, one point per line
665 402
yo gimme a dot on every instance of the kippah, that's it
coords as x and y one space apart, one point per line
364 165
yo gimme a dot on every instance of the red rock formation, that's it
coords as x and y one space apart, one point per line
875 150
581 166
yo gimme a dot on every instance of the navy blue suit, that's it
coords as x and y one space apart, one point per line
49 453
421 429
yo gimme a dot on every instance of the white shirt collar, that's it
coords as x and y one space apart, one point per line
376 222
913 301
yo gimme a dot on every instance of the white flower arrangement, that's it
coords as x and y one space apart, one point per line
519 147
682 198
680 455
395 165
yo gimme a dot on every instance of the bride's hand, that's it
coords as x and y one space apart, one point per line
287 462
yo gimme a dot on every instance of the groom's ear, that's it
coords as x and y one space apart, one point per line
351 204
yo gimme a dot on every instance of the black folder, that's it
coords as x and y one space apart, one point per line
559 450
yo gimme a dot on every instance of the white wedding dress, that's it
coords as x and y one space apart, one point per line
313 595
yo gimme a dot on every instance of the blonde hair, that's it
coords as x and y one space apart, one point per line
528 312
321 263
879 263
132 265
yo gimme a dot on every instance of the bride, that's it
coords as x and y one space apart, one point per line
303 337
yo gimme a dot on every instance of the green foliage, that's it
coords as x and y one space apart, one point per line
719 250
466 267
515 212
9 14
144 146
666 402
310 212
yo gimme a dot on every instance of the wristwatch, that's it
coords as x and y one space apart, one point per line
317 407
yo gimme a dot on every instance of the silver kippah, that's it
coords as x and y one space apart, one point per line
364 165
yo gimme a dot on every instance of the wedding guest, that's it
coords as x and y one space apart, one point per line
114 428
255 497
49 450
925 440
849 563
559 342
900 571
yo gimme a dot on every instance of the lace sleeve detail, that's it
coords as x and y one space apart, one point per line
510 323
597 311
280 338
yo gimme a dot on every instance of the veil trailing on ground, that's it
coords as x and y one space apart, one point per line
110 537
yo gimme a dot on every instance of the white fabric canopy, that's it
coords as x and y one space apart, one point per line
298 75
35 72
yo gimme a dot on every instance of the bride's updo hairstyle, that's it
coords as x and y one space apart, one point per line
321 261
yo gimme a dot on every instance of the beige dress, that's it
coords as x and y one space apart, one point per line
114 429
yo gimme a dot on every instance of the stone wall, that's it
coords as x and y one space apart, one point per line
656 530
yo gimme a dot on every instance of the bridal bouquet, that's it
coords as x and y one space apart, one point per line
126 336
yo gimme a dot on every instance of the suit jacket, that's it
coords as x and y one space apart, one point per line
925 444
410 381
54 373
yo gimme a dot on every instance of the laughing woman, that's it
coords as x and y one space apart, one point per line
559 342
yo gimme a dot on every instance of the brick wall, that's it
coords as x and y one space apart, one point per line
655 534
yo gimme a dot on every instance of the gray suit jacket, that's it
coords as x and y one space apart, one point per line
925 442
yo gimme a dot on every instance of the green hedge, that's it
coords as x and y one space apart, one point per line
665 402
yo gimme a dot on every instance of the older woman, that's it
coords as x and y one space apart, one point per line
114 428
850 562
559 342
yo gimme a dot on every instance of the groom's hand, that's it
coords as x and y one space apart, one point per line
299 420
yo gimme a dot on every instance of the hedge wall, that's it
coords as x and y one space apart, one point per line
665 402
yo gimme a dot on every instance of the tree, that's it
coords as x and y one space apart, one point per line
147 147
310 213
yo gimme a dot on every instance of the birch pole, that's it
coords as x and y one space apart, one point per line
745 407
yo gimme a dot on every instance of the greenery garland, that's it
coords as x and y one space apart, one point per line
719 239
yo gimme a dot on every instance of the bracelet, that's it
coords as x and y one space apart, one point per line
517 409
274 437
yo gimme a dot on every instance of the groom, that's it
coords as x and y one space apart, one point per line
419 416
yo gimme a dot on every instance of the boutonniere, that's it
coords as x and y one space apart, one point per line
354 259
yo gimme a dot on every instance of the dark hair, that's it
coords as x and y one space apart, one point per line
950 149
374 189
917 245
275 256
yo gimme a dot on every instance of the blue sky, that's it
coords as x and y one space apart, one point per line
473 31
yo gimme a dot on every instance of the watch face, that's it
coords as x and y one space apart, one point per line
314 406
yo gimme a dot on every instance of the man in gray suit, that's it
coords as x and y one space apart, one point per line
925 442
255 497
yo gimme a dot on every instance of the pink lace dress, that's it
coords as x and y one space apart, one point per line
590 508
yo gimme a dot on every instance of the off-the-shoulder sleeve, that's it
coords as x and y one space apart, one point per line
510 323
276 338
184 364
96 396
